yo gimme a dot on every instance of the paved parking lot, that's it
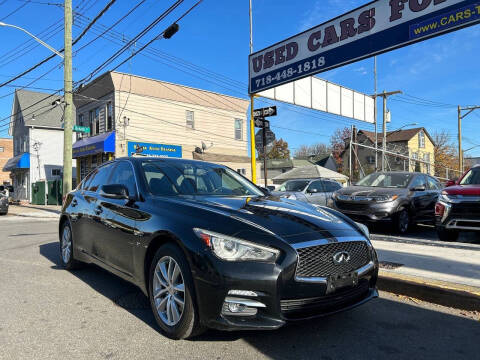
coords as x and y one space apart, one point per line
49 313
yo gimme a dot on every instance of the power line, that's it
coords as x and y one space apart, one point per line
14 11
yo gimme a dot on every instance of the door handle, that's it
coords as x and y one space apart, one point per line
98 210
74 202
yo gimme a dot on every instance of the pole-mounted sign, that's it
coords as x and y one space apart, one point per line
262 123
265 112
372 29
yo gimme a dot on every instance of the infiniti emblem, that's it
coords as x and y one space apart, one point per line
341 257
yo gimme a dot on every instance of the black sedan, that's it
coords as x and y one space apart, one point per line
212 250
403 198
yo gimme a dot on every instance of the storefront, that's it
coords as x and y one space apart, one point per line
20 173
93 151
155 150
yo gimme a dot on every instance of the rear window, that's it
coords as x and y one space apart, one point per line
471 178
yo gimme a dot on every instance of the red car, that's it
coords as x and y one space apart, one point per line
458 208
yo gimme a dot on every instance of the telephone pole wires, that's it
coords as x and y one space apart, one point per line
468 110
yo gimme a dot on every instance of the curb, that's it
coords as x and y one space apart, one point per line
434 291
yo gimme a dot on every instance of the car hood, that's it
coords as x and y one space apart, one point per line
463 190
371 191
293 221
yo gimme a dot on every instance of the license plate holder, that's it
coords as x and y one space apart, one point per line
336 282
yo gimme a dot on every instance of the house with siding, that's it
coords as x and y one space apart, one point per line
415 143
130 115
36 126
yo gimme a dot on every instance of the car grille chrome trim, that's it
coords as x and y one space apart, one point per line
464 224
315 258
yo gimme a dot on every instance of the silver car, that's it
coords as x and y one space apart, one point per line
314 191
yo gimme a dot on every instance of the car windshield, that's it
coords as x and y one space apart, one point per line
294 185
385 180
471 178
166 178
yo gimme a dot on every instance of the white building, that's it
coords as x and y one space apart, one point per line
36 128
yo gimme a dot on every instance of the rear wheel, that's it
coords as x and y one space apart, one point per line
447 235
171 294
66 248
402 221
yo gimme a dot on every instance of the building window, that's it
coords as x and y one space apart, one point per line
370 159
241 171
80 119
97 121
2 149
421 140
109 116
190 119
90 122
55 172
238 129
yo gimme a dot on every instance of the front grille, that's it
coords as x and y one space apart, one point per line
304 308
317 261
466 209
351 206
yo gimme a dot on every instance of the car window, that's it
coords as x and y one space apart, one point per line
418 181
123 174
99 178
393 180
316 186
433 184
293 185
331 186
471 178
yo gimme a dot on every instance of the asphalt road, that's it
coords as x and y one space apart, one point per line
49 313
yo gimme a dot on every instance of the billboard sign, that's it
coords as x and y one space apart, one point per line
155 150
374 28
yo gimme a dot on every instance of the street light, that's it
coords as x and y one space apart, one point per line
33 36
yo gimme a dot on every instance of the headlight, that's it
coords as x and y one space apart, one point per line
232 249
386 198
364 229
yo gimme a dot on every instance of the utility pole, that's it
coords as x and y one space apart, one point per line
68 111
385 95
252 120
124 124
468 109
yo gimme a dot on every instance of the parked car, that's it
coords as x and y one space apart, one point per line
314 191
403 198
458 208
3 203
211 250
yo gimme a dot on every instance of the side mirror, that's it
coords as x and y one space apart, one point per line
265 190
114 191
418 188
450 183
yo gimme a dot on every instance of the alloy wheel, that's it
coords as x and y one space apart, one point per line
169 291
403 221
66 244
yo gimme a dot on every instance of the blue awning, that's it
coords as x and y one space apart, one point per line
21 161
103 143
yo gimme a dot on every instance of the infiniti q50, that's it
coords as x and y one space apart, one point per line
212 250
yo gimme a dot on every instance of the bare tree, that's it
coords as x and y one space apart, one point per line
315 151
445 154
338 143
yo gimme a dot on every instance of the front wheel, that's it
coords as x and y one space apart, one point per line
447 235
402 221
171 294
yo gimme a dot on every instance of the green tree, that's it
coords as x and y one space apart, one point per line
279 150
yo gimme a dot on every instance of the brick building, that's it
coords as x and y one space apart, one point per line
6 152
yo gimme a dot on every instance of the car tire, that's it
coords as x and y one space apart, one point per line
66 248
402 221
447 235
176 321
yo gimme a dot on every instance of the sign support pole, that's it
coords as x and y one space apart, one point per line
252 120
264 136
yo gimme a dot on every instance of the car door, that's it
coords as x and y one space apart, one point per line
93 228
315 193
119 217
420 198
330 188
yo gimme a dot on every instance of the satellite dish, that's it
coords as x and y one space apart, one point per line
204 146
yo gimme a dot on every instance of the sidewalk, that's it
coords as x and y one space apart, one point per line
35 211
440 272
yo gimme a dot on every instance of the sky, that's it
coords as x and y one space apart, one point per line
210 52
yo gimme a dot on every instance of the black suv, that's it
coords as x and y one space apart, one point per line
211 249
403 198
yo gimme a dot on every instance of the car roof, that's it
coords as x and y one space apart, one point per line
139 159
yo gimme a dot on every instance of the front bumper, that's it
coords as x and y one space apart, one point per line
284 297
459 216
366 211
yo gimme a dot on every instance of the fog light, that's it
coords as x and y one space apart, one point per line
241 307
235 307
242 293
